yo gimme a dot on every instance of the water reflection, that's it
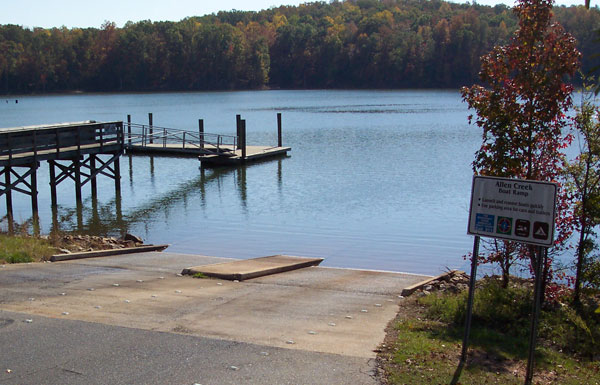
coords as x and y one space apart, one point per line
108 218
242 187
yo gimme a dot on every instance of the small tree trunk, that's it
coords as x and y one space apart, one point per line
505 264
545 271
580 257
505 279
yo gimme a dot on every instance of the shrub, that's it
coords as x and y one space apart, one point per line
508 311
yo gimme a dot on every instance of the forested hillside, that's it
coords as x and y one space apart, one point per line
341 44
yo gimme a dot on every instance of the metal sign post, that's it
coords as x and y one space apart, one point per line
537 295
514 210
463 355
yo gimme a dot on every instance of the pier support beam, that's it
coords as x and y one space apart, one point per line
93 173
8 192
117 174
77 177
89 169
34 191
51 166
21 185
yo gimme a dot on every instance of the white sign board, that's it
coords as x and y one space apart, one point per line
513 209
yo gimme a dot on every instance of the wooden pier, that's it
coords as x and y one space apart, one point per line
72 148
73 151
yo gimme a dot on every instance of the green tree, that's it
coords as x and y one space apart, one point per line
522 112
583 175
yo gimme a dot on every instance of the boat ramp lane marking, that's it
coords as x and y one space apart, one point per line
513 209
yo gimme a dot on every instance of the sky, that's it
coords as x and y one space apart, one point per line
84 13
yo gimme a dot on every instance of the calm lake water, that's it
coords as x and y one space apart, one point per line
375 179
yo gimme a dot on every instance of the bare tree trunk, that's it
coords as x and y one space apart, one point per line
580 257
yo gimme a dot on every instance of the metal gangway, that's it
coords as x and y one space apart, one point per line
155 139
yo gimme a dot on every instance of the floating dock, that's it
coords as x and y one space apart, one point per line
210 149
209 154
234 157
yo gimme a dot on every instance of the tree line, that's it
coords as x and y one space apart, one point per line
340 44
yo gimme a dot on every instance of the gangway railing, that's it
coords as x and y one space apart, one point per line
154 136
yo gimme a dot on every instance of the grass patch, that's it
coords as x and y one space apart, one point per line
200 275
423 345
24 249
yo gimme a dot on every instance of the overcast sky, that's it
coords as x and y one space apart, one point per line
83 13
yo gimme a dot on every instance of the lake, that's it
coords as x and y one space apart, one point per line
375 179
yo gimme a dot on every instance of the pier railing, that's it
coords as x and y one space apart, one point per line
154 136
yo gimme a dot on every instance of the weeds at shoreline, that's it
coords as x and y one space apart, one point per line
24 249
423 344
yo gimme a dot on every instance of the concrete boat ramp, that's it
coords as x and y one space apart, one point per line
136 319
243 269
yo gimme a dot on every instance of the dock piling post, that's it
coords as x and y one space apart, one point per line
201 132
93 176
117 176
238 127
34 190
279 141
243 137
129 129
77 164
52 183
8 192
150 128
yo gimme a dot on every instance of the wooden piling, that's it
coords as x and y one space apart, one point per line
150 128
243 137
79 213
55 224
201 132
77 164
8 193
34 190
93 176
238 127
129 129
279 141
117 175
52 183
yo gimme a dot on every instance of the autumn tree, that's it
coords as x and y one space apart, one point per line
345 44
521 110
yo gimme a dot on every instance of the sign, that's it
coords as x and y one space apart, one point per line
513 209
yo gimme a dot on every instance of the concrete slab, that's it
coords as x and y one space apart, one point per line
105 253
244 269
318 312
